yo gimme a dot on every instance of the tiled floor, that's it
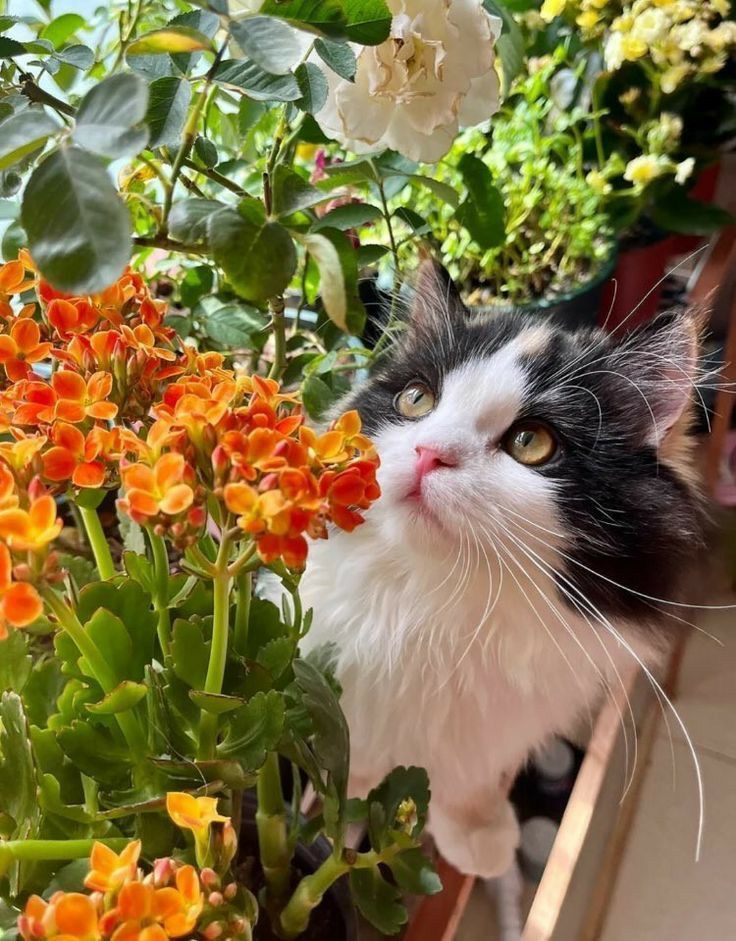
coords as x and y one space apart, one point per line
661 893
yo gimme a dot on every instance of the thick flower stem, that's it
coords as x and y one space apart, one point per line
161 599
222 583
278 308
244 584
273 834
48 850
98 666
98 543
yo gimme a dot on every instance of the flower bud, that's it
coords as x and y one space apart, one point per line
215 899
231 891
163 870
209 878
212 931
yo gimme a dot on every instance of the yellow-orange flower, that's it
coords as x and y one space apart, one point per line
31 529
178 909
68 916
193 813
160 489
78 399
74 457
110 870
21 348
20 603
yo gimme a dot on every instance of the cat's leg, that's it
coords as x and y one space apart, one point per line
477 841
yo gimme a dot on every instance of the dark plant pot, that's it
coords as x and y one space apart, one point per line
335 919
578 308
633 295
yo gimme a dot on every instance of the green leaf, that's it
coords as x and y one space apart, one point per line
112 638
110 117
188 219
338 56
439 189
233 326
254 730
79 56
350 216
317 397
258 258
276 656
269 42
258 84
190 653
17 774
399 785
414 873
61 29
482 212
23 133
368 21
368 255
125 696
95 752
313 87
379 901
170 39
15 662
167 110
10 48
291 192
130 604
78 227
215 703
205 22
332 281
330 730
321 16
677 212
510 44
206 151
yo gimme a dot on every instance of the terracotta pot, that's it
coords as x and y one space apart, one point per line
335 919
633 294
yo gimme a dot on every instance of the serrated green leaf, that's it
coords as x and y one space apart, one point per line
189 653
291 192
269 42
171 39
338 56
321 16
378 901
332 281
276 656
233 326
22 133
368 21
254 730
482 213
414 873
206 151
130 605
17 773
125 696
78 56
349 216
215 703
96 753
204 22
188 219
78 227
15 662
259 259
9 48
111 115
313 87
259 84
399 785
167 110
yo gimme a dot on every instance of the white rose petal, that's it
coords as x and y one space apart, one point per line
433 75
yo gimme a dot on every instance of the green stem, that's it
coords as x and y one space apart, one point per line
98 543
278 307
244 584
47 850
221 583
98 665
161 597
273 833
216 177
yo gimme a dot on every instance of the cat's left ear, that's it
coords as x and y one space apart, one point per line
660 361
437 304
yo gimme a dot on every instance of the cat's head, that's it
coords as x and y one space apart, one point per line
566 449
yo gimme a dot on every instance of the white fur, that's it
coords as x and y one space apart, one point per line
446 662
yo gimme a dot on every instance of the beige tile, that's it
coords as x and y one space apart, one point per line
707 689
661 893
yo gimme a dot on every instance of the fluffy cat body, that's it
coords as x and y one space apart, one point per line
468 626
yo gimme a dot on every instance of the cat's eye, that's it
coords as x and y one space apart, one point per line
416 401
531 443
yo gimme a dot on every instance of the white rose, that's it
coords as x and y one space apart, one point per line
433 75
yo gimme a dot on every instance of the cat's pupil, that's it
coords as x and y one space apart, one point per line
416 396
526 438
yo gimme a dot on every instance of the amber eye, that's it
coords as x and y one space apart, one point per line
531 443
416 401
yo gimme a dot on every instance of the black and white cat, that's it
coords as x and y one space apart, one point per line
538 497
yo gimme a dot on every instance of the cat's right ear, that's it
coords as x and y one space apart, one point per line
437 305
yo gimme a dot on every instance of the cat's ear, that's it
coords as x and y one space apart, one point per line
437 304
660 362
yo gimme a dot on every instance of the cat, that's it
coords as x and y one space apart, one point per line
538 498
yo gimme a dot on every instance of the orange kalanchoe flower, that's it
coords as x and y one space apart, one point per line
109 870
71 317
32 529
67 916
160 489
77 399
74 457
21 348
20 603
193 813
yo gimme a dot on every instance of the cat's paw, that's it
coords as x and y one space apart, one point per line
486 850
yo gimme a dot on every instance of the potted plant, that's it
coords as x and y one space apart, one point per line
531 231
661 107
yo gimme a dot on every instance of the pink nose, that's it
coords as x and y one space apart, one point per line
430 459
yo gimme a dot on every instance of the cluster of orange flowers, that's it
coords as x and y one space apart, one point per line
98 392
123 904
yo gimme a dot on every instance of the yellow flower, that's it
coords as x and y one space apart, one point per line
642 170
588 19
597 181
673 77
193 813
551 9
